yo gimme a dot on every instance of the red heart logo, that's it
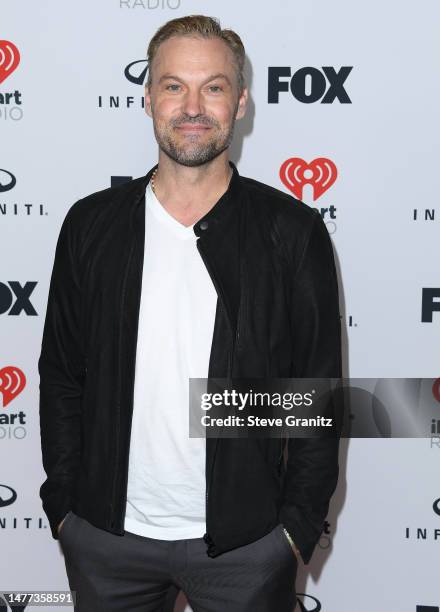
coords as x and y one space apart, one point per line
12 382
436 389
321 173
9 59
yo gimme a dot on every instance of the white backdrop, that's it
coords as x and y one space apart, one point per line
61 139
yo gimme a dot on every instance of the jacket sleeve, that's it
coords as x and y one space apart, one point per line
312 465
61 369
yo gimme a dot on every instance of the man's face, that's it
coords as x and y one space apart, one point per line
194 99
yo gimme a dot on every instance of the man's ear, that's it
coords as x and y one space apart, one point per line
242 103
148 101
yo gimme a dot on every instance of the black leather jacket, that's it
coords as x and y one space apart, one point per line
271 261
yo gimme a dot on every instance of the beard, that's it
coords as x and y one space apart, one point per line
192 152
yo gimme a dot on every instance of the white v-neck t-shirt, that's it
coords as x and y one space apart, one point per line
166 476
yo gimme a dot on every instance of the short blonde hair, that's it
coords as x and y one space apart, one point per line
198 25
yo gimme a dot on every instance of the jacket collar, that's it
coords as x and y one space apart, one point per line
221 209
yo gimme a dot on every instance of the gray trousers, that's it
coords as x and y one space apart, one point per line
133 573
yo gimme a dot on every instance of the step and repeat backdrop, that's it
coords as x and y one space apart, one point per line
343 115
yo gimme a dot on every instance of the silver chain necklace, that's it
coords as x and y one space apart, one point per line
152 181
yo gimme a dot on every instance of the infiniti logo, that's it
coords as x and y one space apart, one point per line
132 73
136 73
7 180
10 498
436 506
311 601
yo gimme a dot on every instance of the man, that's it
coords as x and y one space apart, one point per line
190 271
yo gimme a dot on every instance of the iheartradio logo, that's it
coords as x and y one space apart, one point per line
436 389
9 59
12 383
320 173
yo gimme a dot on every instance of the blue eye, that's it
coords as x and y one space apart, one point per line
174 85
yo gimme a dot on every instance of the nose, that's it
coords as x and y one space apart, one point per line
192 103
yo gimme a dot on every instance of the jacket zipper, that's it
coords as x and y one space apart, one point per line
118 404
207 537
280 460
